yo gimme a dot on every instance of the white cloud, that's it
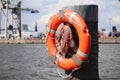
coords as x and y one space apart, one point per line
42 22
63 3
116 19
107 9
55 7
32 4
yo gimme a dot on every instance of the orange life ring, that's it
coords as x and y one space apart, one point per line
84 38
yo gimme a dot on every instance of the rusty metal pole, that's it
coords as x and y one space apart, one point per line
89 70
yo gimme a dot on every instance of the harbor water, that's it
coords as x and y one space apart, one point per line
31 62
109 61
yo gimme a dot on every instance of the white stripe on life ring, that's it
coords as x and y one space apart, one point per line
51 31
82 54
78 61
71 16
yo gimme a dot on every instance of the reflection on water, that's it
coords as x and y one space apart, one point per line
31 62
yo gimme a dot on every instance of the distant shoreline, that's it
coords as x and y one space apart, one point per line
105 40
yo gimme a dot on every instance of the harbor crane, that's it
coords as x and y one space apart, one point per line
16 10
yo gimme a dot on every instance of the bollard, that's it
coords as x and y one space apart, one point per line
89 70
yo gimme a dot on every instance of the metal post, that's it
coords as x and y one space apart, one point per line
89 70
12 19
19 18
0 15
12 25
0 18
6 21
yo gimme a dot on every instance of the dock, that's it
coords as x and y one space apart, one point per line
109 40
105 40
22 41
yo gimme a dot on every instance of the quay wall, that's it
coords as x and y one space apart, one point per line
22 41
109 40
105 40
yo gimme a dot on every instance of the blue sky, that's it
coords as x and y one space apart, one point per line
109 12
